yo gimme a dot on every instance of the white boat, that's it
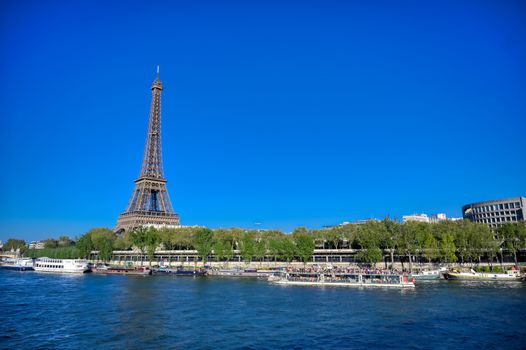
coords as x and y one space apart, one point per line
238 272
429 274
61 265
17 264
342 279
510 275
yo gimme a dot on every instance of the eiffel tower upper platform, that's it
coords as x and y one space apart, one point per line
149 203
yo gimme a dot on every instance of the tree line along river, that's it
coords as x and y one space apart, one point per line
375 241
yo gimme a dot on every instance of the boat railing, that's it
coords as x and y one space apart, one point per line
358 278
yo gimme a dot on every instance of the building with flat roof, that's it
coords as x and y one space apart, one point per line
496 212
438 217
37 245
416 217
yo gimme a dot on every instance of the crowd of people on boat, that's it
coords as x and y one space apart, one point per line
343 270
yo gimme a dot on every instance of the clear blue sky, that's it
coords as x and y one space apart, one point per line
284 113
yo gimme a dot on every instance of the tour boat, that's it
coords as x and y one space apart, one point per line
510 275
17 264
343 279
238 272
429 274
61 265
117 270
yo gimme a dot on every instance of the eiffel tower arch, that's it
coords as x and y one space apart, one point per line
149 203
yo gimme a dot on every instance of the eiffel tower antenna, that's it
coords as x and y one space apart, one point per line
149 203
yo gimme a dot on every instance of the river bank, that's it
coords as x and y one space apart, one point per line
273 265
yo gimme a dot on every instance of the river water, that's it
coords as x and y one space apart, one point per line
53 311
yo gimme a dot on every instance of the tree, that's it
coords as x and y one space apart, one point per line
260 248
274 246
368 238
287 248
102 239
333 237
50 243
389 232
406 242
448 248
105 248
304 246
429 247
247 247
203 240
426 242
348 234
139 239
123 242
491 248
462 241
514 236
223 244
14 244
152 242
183 238
485 244
84 246
65 241
222 250
165 238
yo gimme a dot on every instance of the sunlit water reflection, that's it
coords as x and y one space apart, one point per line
53 311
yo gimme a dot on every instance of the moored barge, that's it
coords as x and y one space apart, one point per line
114 270
510 275
180 271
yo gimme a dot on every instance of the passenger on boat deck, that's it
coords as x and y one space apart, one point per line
347 270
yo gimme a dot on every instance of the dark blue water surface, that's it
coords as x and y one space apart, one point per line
48 311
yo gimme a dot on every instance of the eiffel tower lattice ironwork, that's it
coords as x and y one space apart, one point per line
149 203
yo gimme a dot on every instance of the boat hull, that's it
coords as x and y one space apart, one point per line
426 277
137 272
16 268
481 277
343 284
51 270
178 272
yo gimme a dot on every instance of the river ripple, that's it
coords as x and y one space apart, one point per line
52 311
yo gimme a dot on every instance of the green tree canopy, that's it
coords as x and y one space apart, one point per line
65 241
99 239
84 246
304 245
368 237
448 248
222 250
287 248
407 243
202 241
50 243
123 241
153 240
514 236
247 247
139 239
14 244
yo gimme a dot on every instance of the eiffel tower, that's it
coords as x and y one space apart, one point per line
149 203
